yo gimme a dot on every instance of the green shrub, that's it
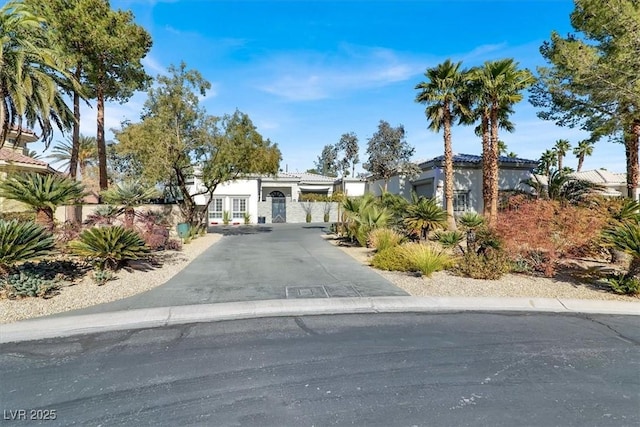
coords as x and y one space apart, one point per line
392 259
100 277
25 284
490 265
384 238
20 241
624 284
425 258
109 247
449 239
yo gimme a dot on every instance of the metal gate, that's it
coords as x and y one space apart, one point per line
278 209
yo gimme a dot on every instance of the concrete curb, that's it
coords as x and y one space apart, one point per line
36 329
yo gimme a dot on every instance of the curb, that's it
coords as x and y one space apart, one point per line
37 329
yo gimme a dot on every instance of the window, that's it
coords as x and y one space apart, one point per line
238 207
216 208
460 201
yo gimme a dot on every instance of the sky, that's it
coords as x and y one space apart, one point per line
308 71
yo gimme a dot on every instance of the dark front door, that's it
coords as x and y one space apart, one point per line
278 209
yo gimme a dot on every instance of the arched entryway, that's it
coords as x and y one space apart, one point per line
278 206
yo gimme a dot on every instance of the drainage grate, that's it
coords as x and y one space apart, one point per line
328 291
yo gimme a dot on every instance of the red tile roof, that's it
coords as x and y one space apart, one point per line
9 155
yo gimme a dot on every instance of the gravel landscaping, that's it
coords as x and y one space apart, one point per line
444 284
140 278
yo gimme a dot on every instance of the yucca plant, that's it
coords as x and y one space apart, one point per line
109 247
472 223
424 215
43 193
450 239
20 241
129 194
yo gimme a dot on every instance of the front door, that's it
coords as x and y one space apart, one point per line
278 209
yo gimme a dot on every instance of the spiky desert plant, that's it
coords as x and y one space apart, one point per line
424 215
20 241
129 194
43 193
426 258
450 239
625 237
109 247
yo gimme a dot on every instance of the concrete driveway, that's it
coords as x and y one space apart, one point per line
274 261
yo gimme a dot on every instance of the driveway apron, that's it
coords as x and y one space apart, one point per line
274 261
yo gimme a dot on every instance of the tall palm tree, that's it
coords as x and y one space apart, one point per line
561 148
498 85
32 75
443 94
43 193
584 148
86 156
546 162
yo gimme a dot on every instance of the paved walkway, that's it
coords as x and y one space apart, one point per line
275 261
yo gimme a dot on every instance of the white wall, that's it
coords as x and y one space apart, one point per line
241 188
355 188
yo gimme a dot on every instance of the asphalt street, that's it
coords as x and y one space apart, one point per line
446 369
275 261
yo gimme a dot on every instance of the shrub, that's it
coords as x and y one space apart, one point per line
25 284
492 265
392 259
384 238
426 259
624 284
109 247
100 277
20 241
18 216
450 239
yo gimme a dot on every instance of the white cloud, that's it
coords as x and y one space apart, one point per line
152 65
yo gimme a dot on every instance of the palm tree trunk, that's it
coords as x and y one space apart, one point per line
486 179
580 162
3 129
631 143
44 217
129 217
493 167
102 149
448 169
634 268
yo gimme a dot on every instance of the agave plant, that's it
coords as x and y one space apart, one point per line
43 193
129 194
424 215
20 241
109 247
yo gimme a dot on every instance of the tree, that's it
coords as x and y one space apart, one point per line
496 87
592 82
43 193
327 163
176 140
584 148
86 154
32 75
424 215
389 153
129 194
546 162
348 144
561 148
444 95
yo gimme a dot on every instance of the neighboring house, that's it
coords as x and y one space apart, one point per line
275 199
14 159
467 180
614 184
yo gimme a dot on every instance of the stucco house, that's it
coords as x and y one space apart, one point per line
275 198
467 180
613 184
14 159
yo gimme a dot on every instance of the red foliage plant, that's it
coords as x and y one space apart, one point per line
541 232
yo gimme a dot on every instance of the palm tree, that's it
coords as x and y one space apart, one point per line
43 193
497 86
502 148
424 215
584 148
86 156
563 187
561 148
443 95
129 194
625 237
547 161
31 75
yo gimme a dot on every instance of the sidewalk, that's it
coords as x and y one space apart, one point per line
46 328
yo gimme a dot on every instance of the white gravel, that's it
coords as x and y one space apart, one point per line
127 283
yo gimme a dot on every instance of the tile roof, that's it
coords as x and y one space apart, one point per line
9 155
472 158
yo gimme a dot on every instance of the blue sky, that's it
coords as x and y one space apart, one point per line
308 71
